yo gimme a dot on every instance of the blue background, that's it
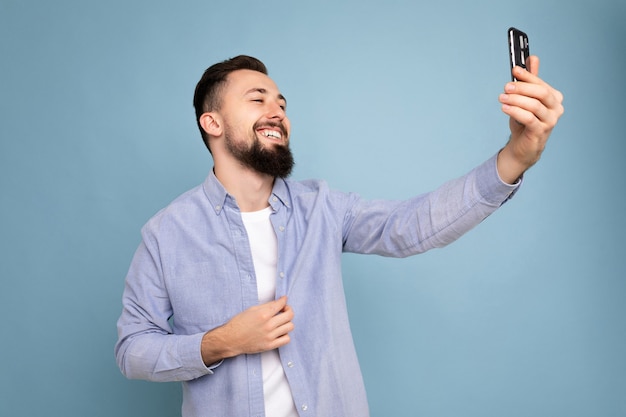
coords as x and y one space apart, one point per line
523 316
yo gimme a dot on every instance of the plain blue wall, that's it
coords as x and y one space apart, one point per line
523 316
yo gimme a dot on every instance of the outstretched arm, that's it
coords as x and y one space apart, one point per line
534 108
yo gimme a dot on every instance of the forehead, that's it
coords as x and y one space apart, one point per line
241 82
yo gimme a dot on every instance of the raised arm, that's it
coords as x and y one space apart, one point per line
534 108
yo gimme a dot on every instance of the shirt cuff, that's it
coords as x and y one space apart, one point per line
491 187
189 350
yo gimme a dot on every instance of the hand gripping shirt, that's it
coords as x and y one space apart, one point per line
193 271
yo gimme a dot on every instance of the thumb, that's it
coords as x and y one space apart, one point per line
533 64
278 305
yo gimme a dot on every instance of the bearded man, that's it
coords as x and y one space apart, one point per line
236 287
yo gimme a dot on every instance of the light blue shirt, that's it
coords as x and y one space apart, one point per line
193 271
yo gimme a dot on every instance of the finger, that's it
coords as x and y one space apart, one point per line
276 306
279 336
283 317
530 75
522 107
280 341
284 329
525 76
542 100
533 64
287 310
521 116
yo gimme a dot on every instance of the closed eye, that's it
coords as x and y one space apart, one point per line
260 100
254 92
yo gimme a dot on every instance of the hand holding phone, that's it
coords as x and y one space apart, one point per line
518 49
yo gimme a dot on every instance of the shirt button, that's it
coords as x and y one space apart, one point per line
274 199
290 364
281 228
304 407
282 275
218 207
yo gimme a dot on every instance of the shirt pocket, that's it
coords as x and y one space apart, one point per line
204 295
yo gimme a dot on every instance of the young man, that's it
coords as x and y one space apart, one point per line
248 264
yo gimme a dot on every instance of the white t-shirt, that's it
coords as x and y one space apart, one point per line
264 247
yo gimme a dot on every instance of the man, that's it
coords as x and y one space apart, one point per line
236 287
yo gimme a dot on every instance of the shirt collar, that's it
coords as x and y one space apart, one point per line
218 196
280 194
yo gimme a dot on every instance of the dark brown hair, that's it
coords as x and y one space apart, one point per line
207 96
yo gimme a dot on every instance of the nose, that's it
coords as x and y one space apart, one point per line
276 111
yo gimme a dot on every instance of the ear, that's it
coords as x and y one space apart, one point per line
212 124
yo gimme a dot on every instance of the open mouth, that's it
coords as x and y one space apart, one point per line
271 133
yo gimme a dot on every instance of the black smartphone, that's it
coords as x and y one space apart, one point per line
518 49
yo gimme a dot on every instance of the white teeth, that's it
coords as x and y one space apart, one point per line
271 134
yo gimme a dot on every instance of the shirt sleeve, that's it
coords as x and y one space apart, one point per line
146 347
435 219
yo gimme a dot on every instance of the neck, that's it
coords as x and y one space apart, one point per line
250 189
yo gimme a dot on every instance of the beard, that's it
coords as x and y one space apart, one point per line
276 161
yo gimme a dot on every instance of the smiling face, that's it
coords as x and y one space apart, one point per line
256 127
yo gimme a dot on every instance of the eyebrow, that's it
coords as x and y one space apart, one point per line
264 91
